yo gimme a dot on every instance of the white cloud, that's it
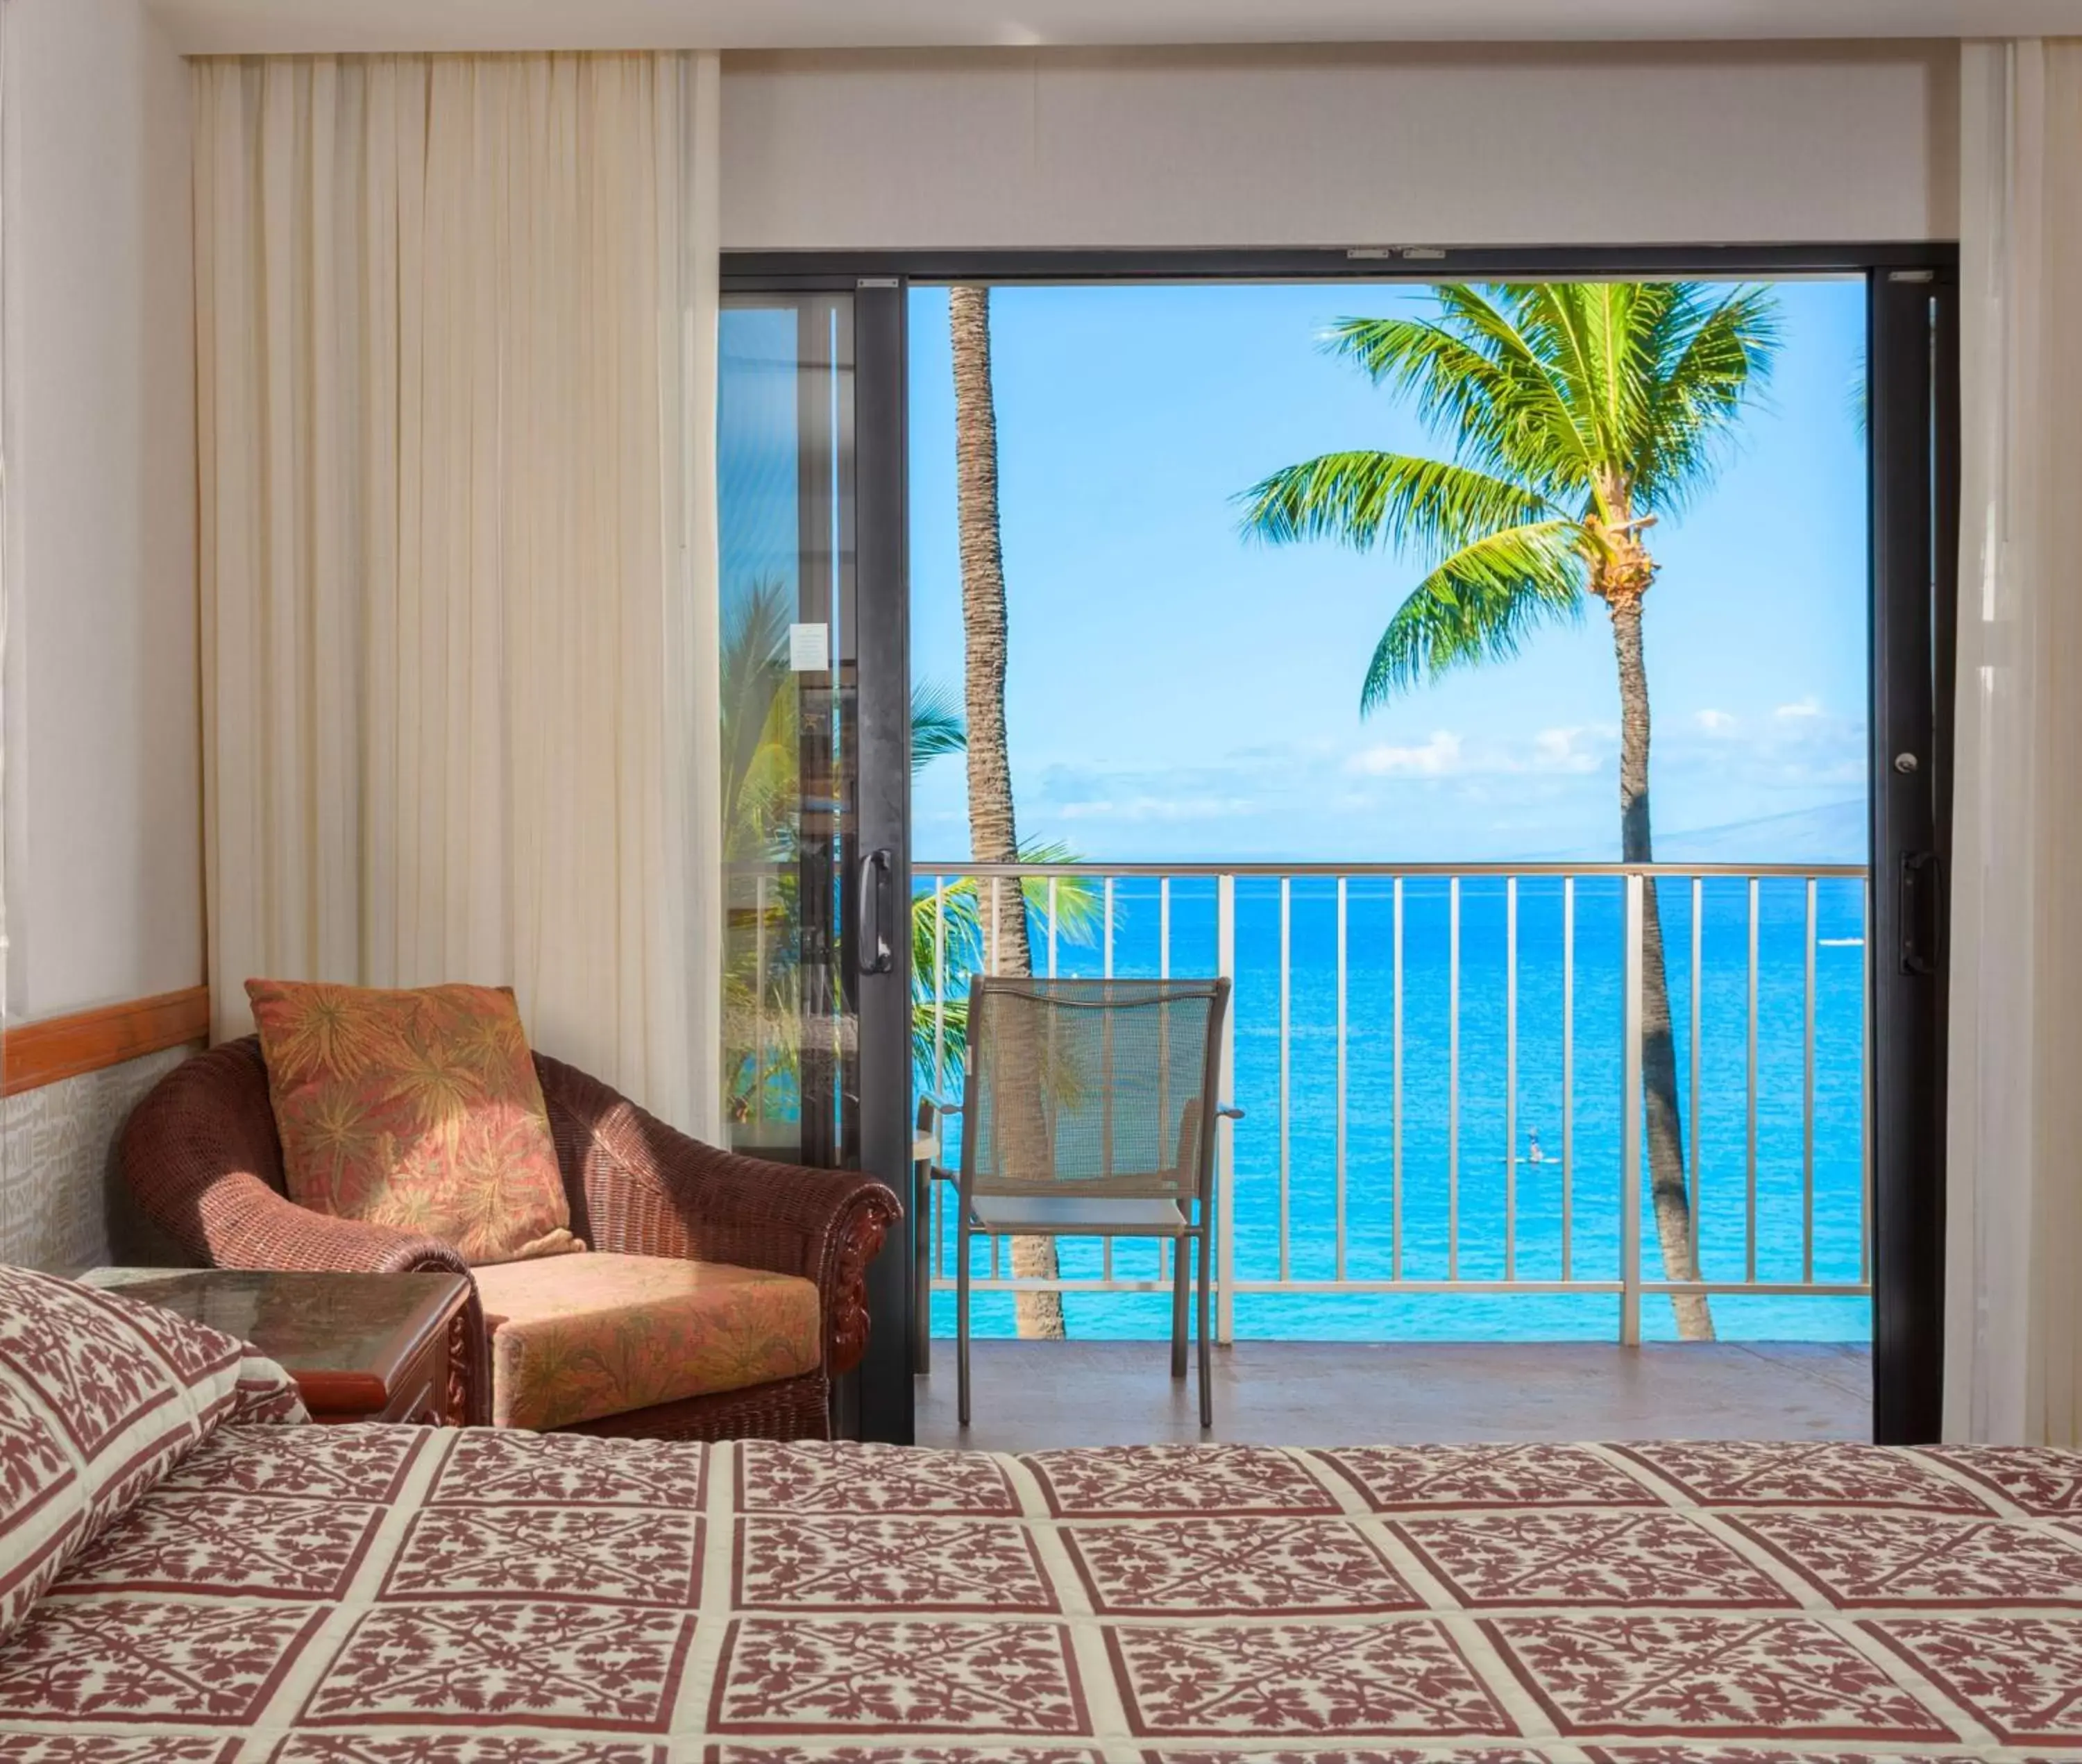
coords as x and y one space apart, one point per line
1154 808
1572 751
1800 746
1437 758
1565 750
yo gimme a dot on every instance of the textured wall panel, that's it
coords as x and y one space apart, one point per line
61 1201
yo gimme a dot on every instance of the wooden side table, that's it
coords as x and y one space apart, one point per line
361 1347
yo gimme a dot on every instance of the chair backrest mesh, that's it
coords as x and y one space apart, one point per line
1093 1087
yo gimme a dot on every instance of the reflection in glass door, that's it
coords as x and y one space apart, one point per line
816 764
790 703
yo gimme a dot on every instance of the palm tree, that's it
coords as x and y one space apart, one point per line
1577 414
993 836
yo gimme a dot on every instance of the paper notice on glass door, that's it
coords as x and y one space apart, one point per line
810 649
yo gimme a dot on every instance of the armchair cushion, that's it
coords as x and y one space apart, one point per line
581 1337
416 1109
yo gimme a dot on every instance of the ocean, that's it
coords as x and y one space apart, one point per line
1714 1123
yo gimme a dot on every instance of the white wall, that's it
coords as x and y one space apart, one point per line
103 767
1355 146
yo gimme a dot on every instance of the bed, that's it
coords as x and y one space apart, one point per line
372 1595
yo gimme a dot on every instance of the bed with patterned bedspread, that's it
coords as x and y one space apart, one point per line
372 1595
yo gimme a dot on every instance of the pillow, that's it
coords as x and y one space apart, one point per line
417 1109
100 1398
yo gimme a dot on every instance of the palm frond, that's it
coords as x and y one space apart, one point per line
1079 902
757 691
1659 316
946 1037
944 925
1475 381
1717 349
951 913
938 726
1547 322
1478 606
1430 507
1616 317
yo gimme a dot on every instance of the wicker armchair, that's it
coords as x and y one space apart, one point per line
201 1155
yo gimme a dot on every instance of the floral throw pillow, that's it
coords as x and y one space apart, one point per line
418 1109
100 1398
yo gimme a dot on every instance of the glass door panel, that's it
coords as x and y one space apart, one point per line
817 765
785 458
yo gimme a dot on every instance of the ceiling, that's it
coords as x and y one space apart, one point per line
232 26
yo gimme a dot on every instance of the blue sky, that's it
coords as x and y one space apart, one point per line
1176 692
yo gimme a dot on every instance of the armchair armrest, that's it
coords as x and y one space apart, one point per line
200 1156
245 1224
641 1188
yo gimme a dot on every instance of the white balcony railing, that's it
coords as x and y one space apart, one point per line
1397 1068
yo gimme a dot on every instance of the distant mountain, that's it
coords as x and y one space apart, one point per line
1836 833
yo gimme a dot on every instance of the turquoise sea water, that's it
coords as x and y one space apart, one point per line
1714 1128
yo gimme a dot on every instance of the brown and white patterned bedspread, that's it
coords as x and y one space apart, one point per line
310 1595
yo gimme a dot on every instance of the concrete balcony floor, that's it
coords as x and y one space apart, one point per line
1030 1395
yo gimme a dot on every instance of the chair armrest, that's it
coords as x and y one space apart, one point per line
641 1187
197 1155
932 1118
246 1224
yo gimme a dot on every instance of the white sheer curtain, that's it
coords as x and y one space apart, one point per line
2013 1315
456 365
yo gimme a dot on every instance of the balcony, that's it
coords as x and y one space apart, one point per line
1432 1198
1034 1394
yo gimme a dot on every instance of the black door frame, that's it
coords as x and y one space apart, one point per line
1913 417
1913 400
883 1391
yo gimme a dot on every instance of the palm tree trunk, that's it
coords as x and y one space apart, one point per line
1658 1052
993 837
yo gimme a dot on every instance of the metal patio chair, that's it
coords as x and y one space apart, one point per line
1090 1111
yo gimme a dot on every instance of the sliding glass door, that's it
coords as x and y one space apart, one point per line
814 449
815 759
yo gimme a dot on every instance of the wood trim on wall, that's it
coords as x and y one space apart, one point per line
42 1053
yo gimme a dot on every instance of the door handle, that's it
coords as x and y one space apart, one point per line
871 916
1917 901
